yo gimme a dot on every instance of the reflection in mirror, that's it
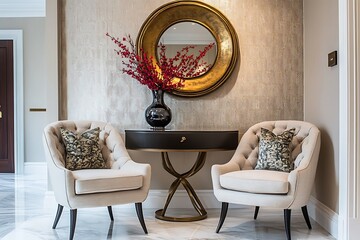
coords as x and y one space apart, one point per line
184 34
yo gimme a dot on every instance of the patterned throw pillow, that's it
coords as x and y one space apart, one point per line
274 151
82 151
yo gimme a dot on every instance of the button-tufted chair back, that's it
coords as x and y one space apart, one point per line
114 153
246 155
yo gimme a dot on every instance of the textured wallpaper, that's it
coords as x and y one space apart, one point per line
267 83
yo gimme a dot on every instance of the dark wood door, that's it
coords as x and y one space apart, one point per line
6 107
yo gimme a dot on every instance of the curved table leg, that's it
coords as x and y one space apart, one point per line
181 178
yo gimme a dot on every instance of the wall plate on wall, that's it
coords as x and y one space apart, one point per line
332 59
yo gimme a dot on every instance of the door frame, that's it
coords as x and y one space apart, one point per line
349 154
17 37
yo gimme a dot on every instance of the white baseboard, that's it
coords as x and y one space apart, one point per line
35 168
324 216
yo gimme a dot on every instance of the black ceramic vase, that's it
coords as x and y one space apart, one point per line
158 115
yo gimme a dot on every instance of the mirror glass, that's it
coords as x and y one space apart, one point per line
183 34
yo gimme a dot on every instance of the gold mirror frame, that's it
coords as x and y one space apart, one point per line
209 17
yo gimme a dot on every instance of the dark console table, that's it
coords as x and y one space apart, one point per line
172 141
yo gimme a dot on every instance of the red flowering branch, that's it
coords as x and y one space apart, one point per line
144 69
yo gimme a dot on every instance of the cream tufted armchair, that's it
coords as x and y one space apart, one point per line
238 182
122 181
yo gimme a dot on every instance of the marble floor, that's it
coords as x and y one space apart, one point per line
27 212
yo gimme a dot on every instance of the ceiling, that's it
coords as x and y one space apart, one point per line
22 8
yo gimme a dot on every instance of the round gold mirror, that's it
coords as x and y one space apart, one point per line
159 24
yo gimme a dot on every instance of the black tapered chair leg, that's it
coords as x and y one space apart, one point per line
139 212
306 216
73 213
256 212
110 213
58 215
224 209
287 217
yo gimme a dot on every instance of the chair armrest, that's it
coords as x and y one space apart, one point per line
60 177
142 169
301 184
302 178
217 170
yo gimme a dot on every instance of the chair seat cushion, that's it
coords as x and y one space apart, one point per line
105 180
256 181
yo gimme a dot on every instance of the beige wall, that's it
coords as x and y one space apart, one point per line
321 95
266 85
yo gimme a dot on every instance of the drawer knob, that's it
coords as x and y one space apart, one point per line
183 139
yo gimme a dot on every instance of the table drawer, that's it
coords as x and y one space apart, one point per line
181 140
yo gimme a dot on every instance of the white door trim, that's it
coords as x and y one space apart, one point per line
17 37
349 168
